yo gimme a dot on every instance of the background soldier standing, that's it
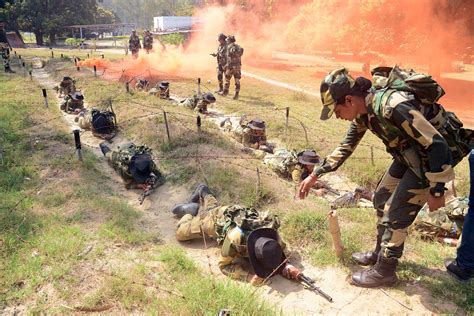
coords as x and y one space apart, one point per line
134 44
221 60
233 65
5 50
147 41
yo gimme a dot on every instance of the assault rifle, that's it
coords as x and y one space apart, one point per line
311 284
149 185
324 185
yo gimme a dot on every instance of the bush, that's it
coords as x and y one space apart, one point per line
72 41
173 39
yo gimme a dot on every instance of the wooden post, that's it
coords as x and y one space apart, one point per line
75 61
45 96
31 75
87 55
78 68
19 56
198 123
199 87
335 231
14 52
127 86
102 56
95 71
23 64
52 53
77 140
62 56
287 115
372 155
167 127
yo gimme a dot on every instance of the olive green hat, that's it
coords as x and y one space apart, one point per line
335 86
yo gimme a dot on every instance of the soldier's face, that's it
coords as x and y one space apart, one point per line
347 110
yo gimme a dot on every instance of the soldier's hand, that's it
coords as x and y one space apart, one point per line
435 203
290 272
306 185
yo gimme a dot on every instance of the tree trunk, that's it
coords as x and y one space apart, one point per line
52 39
39 38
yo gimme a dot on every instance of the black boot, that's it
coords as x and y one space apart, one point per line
381 274
199 193
104 148
369 257
221 88
224 92
236 95
180 210
456 271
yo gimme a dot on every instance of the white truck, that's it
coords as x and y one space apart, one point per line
174 23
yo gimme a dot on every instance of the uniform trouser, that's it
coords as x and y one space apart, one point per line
399 196
232 71
6 64
465 254
193 227
220 74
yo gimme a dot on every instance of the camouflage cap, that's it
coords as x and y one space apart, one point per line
221 36
335 86
230 39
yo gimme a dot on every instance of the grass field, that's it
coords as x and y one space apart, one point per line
35 258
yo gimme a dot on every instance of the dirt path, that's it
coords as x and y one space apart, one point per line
291 297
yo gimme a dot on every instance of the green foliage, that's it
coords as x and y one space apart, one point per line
173 39
176 260
70 41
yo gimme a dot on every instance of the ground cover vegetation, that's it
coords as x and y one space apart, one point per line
304 224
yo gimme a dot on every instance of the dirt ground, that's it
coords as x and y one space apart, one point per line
290 296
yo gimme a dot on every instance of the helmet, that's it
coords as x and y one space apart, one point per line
230 39
221 37
335 86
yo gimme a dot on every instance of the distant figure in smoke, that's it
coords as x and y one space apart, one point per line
221 60
233 65
147 41
134 44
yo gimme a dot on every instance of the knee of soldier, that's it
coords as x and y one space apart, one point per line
379 201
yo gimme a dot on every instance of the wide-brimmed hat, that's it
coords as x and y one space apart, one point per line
265 252
309 157
164 84
257 124
209 97
334 87
77 95
140 167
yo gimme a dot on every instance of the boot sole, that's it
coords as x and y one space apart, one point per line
386 284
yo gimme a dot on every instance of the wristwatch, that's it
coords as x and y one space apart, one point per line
438 190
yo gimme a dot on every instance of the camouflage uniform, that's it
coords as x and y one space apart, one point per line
211 222
233 67
147 42
286 164
104 126
244 134
6 58
120 161
134 45
67 86
71 104
221 63
421 159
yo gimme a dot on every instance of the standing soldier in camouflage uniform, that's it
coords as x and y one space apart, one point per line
147 41
221 60
134 44
425 141
5 50
233 65
135 165
237 230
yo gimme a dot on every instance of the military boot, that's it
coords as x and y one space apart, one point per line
224 92
182 209
236 95
369 257
199 193
221 88
381 274
104 148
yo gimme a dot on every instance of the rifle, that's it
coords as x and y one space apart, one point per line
311 284
324 185
213 54
149 185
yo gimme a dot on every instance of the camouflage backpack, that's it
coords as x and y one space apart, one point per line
281 161
247 219
444 222
427 91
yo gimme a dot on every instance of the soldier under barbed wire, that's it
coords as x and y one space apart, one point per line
221 56
73 102
66 86
251 134
199 103
147 41
103 124
134 44
135 165
296 166
5 50
233 66
161 89
425 141
249 238
142 84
